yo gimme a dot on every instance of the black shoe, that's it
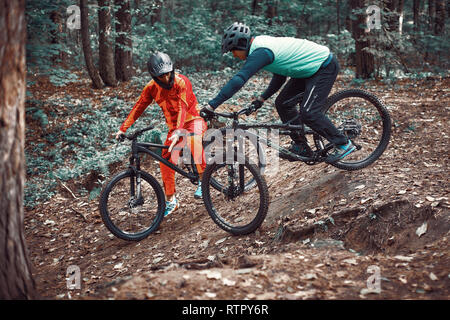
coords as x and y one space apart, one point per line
301 149
341 151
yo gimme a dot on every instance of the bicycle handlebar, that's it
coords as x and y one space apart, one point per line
136 134
235 114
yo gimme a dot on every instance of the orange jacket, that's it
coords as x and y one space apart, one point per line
178 104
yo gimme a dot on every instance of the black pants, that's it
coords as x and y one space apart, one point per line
316 90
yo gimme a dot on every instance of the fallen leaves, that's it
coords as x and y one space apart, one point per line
351 261
422 229
317 266
228 282
220 241
404 258
403 279
433 276
211 274
309 276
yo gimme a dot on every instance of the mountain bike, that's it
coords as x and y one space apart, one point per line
358 114
132 203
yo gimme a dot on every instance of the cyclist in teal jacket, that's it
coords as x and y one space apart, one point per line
312 69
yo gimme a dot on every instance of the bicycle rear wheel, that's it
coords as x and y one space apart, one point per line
132 211
234 208
364 119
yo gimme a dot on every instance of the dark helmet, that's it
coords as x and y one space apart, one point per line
158 64
236 37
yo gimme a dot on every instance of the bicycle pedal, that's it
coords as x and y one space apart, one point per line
287 157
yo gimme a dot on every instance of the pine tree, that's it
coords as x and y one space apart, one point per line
16 281
97 81
106 53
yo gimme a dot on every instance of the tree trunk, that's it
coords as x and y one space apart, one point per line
364 60
86 41
431 14
338 15
271 11
156 12
56 18
348 24
395 14
16 281
327 30
416 14
400 13
106 53
123 49
439 25
255 6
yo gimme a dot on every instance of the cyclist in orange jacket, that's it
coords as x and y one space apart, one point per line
173 93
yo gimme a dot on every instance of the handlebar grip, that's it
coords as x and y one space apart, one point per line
121 138
246 111
249 110
133 136
147 129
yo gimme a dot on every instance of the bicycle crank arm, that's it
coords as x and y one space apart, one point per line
285 154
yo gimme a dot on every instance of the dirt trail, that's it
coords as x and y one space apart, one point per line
326 233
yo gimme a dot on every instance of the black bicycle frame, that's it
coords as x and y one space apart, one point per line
143 147
285 126
289 127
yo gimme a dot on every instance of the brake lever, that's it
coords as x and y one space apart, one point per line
207 116
249 110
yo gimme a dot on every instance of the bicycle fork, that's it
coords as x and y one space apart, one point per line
234 191
136 198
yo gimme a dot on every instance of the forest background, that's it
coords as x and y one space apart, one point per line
72 70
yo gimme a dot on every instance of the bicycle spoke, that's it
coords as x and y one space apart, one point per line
234 208
362 118
230 148
130 214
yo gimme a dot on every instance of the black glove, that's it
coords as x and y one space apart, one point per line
121 138
206 113
255 105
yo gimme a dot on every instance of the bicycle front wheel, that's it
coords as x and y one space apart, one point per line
364 119
233 207
227 143
132 208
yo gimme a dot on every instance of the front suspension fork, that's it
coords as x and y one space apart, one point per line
135 182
